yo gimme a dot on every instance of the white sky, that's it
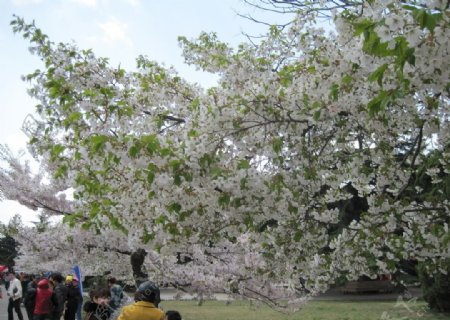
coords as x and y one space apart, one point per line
117 29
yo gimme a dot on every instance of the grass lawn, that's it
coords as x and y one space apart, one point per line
316 310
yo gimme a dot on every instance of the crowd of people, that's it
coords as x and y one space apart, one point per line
53 297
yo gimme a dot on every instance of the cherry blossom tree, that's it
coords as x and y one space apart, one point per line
235 188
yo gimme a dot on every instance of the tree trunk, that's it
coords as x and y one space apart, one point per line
137 259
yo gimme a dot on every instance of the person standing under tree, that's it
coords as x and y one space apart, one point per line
29 298
45 302
60 290
116 293
74 298
15 296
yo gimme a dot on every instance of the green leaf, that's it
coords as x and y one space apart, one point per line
427 19
334 91
175 164
72 219
205 161
147 237
151 143
193 133
378 103
224 200
243 164
150 177
177 179
403 53
311 69
195 105
172 228
316 115
56 151
277 145
161 219
277 183
33 140
286 77
152 169
98 142
377 75
243 184
216 172
363 26
164 152
71 118
61 171
292 209
373 45
134 151
174 207
115 223
310 173
347 79
248 220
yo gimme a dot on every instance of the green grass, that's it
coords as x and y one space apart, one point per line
316 310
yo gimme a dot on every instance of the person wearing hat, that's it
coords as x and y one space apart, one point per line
74 298
147 298
46 301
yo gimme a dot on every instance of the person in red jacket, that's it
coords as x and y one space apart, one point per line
45 301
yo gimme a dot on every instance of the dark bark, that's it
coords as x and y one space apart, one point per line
137 259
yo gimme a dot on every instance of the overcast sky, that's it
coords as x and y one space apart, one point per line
118 29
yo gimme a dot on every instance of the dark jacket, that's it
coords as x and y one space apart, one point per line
74 296
95 311
60 291
29 299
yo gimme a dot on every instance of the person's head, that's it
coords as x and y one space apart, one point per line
57 277
10 275
148 291
43 284
75 281
36 278
100 295
69 279
173 315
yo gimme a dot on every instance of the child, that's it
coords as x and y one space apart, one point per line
173 315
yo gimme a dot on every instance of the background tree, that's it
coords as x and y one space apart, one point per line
9 247
8 251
